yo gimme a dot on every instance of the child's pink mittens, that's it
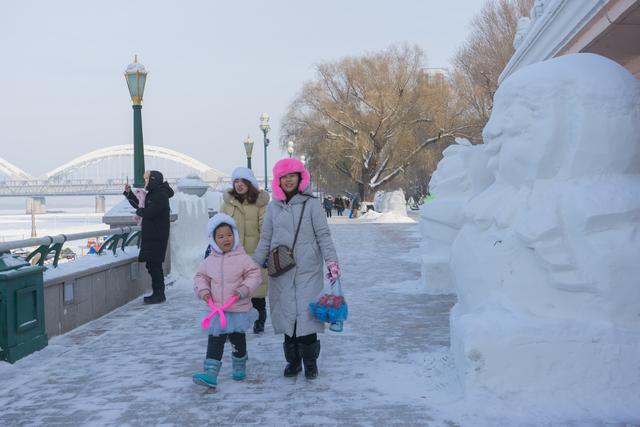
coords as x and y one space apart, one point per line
334 271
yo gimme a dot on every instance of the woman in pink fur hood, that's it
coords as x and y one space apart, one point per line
291 292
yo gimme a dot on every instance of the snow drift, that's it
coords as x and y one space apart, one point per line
538 232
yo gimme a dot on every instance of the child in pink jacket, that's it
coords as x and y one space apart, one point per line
227 272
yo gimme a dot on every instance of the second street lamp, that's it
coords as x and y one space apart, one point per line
248 146
264 127
290 148
136 76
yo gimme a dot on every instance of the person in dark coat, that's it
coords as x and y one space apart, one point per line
355 206
154 211
328 206
339 205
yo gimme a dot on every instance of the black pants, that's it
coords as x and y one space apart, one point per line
157 276
305 339
328 211
260 304
215 346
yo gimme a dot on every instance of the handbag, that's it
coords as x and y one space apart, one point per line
280 258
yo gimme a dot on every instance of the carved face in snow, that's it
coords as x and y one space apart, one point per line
562 220
565 118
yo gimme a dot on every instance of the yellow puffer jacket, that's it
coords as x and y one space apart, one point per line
249 218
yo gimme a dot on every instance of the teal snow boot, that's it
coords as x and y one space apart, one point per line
239 365
209 378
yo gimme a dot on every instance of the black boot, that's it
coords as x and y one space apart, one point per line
260 305
309 354
157 284
155 298
258 326
294 365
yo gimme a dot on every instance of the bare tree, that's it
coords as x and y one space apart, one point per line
369 117
485 53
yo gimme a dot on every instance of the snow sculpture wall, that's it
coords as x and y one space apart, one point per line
188 234
547 261
461 174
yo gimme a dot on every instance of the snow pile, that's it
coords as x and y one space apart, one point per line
87 262
461 174
122 208
545 262
390 207
188 233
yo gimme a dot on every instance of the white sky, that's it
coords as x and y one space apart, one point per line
214 67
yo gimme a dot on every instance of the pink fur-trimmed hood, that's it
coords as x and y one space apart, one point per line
284 167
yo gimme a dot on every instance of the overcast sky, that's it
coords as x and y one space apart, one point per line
214 68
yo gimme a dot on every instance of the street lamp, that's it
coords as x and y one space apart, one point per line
264 127
248 146
290 148
136 76
303 159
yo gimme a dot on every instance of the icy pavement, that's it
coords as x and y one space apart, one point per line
390 366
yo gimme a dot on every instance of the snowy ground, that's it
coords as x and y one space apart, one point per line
391 365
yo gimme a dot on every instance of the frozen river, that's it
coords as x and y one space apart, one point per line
64 215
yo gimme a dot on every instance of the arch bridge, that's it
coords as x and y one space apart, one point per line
104 172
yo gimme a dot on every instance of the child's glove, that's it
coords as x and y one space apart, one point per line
239 294
334 271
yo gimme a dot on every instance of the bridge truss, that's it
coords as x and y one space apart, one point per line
104 172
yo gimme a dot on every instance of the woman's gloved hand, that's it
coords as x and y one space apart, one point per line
334 271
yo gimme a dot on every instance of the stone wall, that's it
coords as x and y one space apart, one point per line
75 297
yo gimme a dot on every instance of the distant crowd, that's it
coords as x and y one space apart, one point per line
341 204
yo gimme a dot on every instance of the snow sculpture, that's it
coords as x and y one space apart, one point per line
188 233
547 263
524 23
390 203
460 175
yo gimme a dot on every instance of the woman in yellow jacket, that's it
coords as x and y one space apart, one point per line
246 204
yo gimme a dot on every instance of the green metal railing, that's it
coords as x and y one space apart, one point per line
119 237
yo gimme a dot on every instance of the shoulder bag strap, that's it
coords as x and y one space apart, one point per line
299 223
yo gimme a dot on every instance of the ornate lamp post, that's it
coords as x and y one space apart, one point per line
290 148
136 76
265 128
248 146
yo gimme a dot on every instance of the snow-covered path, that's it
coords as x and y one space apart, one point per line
134 366
391 365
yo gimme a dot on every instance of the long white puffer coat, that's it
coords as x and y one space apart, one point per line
291 293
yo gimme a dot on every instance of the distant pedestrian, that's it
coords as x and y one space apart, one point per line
226 273
154 210
339 205
355 206
246 204
328 206
295 208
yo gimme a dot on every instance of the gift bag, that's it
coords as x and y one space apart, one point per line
330 306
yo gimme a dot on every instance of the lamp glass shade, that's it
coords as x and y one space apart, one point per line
136 76
248 146
264 122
